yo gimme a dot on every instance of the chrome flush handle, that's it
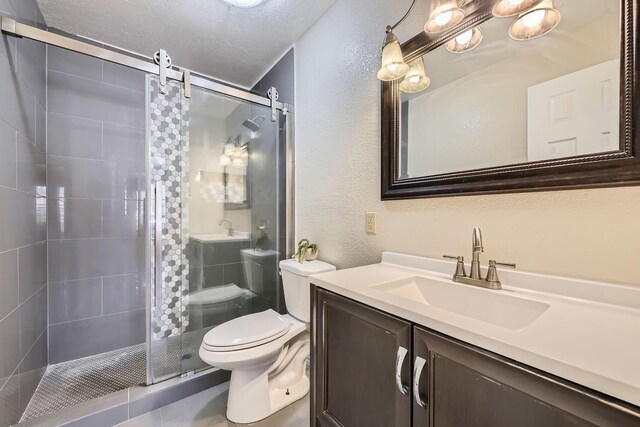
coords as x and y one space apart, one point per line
400 356
417 373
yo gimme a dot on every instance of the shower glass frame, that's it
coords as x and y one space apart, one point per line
165 357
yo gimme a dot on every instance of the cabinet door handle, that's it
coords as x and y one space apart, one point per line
402 353
417 373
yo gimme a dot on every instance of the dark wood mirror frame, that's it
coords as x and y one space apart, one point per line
621 168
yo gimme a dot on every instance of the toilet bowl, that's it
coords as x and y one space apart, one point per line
266 352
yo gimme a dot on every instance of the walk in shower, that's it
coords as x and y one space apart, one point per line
161 199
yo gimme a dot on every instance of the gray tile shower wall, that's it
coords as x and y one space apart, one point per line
23 208
96 182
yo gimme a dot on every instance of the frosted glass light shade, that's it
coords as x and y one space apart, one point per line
393 66
466 41
243 3
535 22
504 8
445 14
415 80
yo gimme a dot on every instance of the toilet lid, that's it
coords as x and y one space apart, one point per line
216 295
247 331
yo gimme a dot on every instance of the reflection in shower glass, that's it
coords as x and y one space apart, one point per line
233 200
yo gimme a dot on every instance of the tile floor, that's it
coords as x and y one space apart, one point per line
208 409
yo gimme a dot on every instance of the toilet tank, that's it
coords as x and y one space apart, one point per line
295 280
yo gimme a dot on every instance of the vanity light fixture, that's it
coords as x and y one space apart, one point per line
445 14
234 154
244 3
393 65
505 8
535 22
415 80
466 41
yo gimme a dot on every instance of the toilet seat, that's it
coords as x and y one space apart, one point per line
246 332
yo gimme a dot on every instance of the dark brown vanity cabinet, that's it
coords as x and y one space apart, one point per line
441 382
356 351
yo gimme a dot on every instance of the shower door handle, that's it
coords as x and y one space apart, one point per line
159 204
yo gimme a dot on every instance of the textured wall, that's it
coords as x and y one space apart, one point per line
95 177
23 216
586 233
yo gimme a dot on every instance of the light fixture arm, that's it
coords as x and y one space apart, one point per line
390 28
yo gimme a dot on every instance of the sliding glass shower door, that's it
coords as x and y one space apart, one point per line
216 219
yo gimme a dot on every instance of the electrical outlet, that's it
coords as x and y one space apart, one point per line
371 223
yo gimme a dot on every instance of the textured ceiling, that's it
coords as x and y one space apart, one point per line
209 36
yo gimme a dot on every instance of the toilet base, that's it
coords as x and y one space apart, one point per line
257 393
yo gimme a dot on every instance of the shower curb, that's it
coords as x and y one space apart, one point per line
123 405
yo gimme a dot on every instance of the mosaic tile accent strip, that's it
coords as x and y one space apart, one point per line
169 145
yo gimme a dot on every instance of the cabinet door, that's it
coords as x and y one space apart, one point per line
466 386
356 351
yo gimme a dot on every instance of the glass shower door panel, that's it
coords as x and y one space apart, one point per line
168 264
235 177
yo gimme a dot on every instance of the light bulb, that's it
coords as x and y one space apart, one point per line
533 19
414 79
465 37
515 2
443 18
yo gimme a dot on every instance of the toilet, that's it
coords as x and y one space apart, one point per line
266 352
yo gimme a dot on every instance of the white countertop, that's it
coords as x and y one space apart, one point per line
238 236
590 334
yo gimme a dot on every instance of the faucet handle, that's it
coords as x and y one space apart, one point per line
492 272
460 271
493 263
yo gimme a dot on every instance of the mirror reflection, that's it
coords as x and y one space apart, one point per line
536 85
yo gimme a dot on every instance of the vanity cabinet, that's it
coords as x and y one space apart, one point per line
442 382
356 349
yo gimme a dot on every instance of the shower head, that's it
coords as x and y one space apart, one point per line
252 124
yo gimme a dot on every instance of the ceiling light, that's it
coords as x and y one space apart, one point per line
504 8
445 14
393 65
416 79
536 22
244 3
466 41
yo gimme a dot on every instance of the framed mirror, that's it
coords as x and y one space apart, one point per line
236 188
536 101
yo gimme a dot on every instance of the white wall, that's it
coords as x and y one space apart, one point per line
584 233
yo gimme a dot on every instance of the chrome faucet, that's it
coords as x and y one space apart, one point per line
230 229
475 278
476 250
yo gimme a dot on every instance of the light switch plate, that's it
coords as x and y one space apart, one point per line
371 223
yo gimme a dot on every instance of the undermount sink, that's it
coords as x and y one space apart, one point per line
496 307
